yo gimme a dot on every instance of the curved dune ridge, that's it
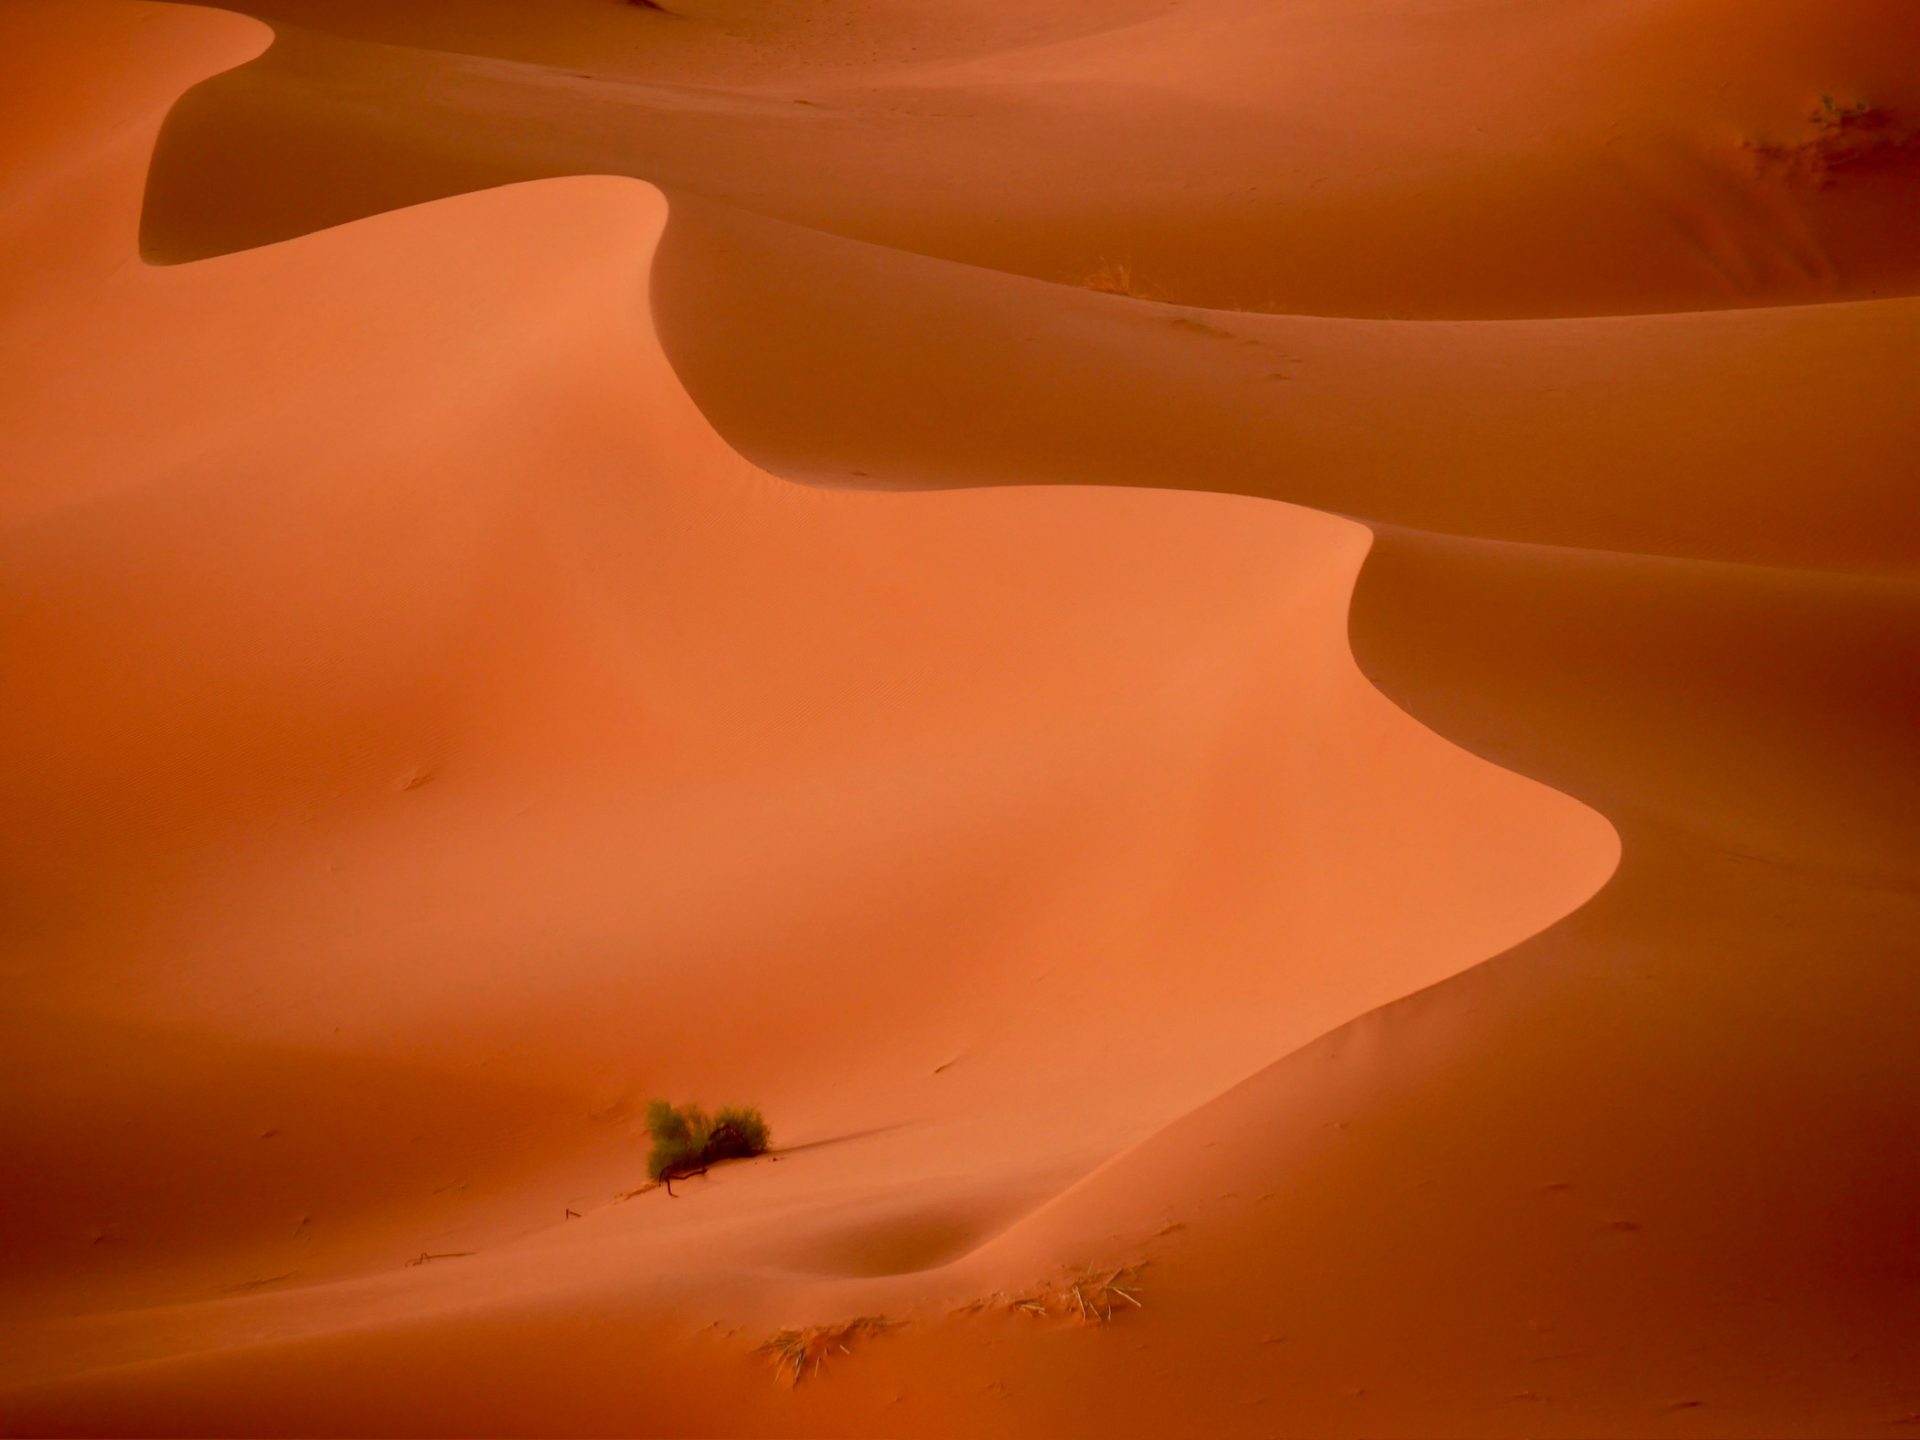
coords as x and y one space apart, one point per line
438 739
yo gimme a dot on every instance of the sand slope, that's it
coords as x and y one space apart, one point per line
441 739
1461 158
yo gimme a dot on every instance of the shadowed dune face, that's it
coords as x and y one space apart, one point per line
440 739
1460 159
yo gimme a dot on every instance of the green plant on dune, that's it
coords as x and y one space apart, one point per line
686 1140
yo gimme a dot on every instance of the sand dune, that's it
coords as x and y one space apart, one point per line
1461 159
479 674
1634 434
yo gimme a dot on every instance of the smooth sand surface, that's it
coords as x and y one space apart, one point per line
1401 829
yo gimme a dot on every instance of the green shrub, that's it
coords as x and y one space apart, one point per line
686 1140
738 1132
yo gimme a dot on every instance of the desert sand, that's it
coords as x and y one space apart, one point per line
1266 649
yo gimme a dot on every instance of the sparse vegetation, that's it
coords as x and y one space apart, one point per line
1840 136
796 1352
686 1140
1089 1297
1830 114
1113 277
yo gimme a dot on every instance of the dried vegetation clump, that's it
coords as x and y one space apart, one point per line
805 1351
1114 277
1087 1297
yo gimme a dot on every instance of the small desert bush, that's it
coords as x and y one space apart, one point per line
686 1140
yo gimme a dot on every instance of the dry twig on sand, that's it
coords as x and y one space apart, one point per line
426 1255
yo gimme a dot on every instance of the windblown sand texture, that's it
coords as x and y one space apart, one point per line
1253 663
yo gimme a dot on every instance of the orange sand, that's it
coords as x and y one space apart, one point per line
468 679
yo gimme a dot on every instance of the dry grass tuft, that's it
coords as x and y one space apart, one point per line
1114 277
1092 1297
797 1352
